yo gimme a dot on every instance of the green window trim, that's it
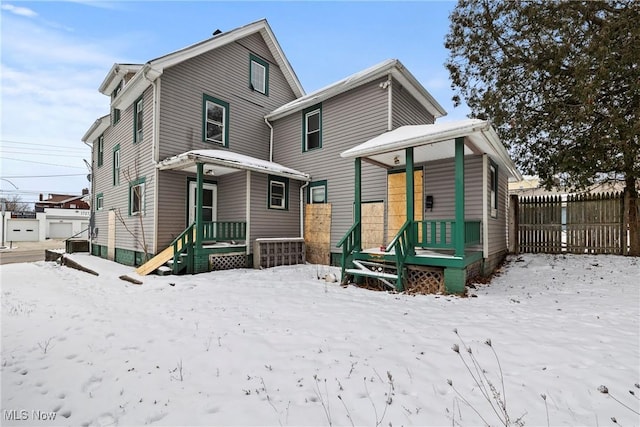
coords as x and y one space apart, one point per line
493 189
258 70
278 197
115 116
138 120
312 128
212 123
137 197
99 202
116 165
115 113
317 192
100 150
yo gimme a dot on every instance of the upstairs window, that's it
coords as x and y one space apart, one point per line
100 150
493 191
312 128
99 202
137 120
278 193
136 197
259 74
215 122
116 165
115 113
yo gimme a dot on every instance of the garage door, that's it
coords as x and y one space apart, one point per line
60 230
23 230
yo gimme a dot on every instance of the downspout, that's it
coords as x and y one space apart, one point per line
154 154
306 184
92 204
270 139
389 103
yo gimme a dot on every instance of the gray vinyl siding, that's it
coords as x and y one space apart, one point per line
172 206
406 110
224 74
267 222
232 200
135 162
348 119
497 227
439 182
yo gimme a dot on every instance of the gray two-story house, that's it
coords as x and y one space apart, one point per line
213 157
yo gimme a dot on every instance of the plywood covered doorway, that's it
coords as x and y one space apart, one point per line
397 198
372 225
317 233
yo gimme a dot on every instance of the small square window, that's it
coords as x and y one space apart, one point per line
318 192
278 193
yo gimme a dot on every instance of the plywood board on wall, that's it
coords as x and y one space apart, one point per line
317 233
397 196
372 225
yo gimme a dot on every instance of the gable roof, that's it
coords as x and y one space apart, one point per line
97 128
391 67
435 141
154 68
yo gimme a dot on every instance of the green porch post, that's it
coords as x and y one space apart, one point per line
459 192
410 186
198 264
357 212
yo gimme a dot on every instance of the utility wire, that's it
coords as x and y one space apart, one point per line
43 154
44 176
42 163
41 145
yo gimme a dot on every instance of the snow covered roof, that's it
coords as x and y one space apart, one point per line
222 162
391 67
433 142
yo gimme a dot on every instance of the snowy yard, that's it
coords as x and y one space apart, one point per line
282 347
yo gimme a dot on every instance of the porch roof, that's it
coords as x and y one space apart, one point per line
221 162
434 142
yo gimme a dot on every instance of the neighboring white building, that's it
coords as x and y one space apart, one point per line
53 223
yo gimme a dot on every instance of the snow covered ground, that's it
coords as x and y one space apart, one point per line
282 347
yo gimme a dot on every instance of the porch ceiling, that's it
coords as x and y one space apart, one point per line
434 142
221 162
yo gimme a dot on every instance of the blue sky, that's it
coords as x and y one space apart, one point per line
54 55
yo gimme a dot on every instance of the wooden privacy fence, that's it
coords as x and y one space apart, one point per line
583 223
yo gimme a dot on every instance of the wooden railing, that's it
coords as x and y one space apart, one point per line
225 230
349 242
441 233
403 246
183 250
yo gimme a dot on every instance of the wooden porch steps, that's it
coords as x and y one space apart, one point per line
374 270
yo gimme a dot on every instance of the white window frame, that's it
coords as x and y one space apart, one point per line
282 185
307 116
140 197
493 190
258 76
138 120
222 124
100 202
315 188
